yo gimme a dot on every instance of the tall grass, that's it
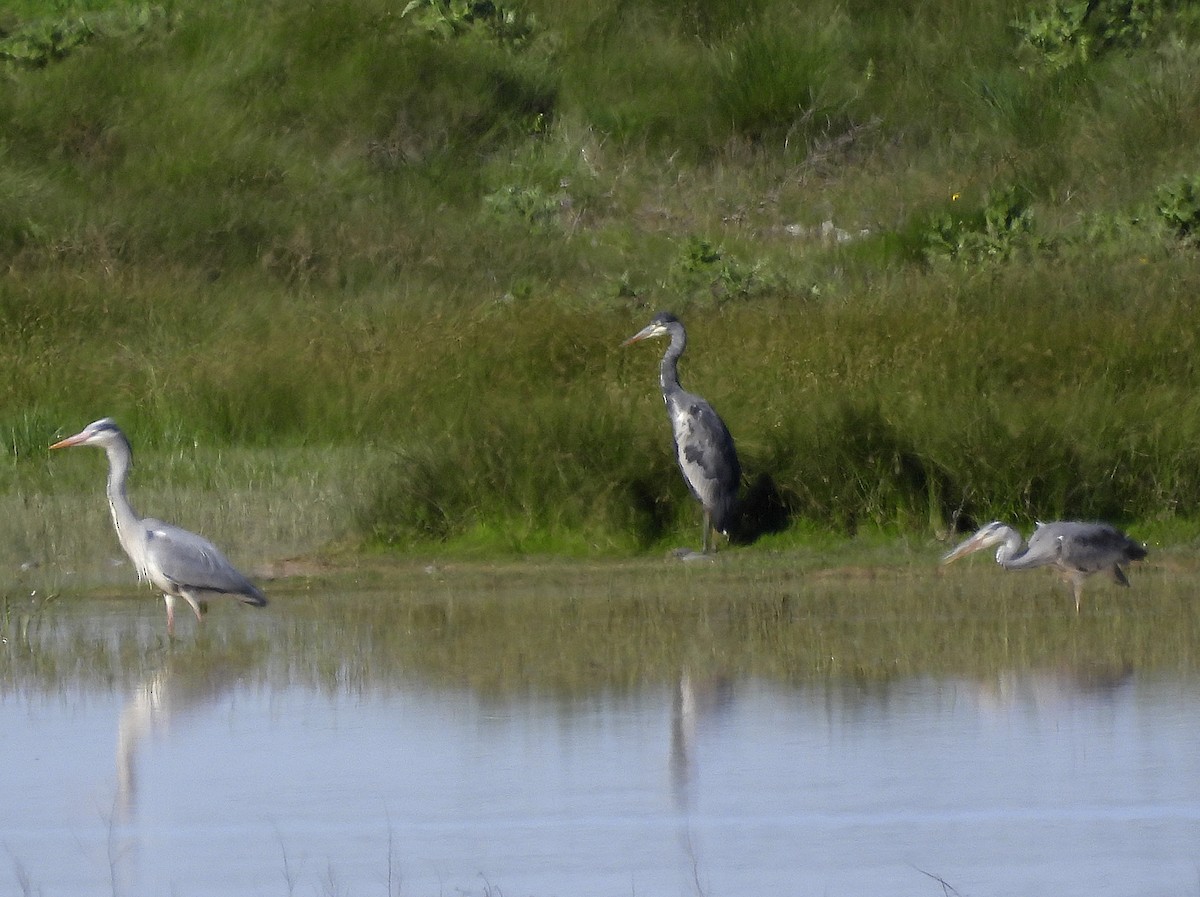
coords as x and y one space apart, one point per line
928 275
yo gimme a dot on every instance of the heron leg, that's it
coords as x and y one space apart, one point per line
170 600
1077 588
707 531
197 606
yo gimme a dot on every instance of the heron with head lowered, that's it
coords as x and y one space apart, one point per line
703 447
180 563
1075 550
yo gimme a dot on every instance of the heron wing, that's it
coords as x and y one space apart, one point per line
706 453
1088 547
191 562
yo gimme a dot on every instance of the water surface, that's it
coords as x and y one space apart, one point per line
257 757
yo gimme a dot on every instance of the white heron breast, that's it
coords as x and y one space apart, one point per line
152 572
681 424
134 544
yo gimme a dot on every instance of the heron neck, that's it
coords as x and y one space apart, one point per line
1014 546
669 369
120 460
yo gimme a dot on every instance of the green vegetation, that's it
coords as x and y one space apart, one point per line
584 627
938 264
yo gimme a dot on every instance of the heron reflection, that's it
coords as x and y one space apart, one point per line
695 701
183 687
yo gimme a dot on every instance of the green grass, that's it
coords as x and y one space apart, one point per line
416 241
262 507
871 612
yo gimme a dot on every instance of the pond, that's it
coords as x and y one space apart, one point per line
293 751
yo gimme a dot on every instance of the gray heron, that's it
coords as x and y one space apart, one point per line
179 563
703 447
1076 550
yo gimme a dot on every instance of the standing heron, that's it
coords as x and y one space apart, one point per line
703 446
1075 550
180 563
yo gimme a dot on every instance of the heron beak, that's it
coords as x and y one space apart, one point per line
648 330
69 441
974 543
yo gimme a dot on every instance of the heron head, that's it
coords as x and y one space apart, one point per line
659 325
100 432
987 536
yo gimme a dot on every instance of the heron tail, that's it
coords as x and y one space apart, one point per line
724 515
253 597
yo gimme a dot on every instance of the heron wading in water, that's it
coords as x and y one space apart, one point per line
180 563
1076 550
703 446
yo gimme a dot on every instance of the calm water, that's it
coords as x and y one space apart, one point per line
1045 783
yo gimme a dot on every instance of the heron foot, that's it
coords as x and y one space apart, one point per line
688 555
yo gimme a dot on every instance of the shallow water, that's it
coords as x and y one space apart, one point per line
1032 783
600 732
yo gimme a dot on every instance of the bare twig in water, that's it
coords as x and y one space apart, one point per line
691 855
20 873
289 876
114 851
395 880
332 887
947 888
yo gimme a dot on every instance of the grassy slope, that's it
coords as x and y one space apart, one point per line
259 225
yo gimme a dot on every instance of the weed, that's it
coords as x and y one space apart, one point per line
705 271
969 236
37 42
530 206
1070 32
1178 205
457 18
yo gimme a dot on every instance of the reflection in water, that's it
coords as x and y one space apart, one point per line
1049 691
827 787
186 683
695 701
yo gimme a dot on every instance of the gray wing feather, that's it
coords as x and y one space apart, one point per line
192 562
707 456
1089 547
